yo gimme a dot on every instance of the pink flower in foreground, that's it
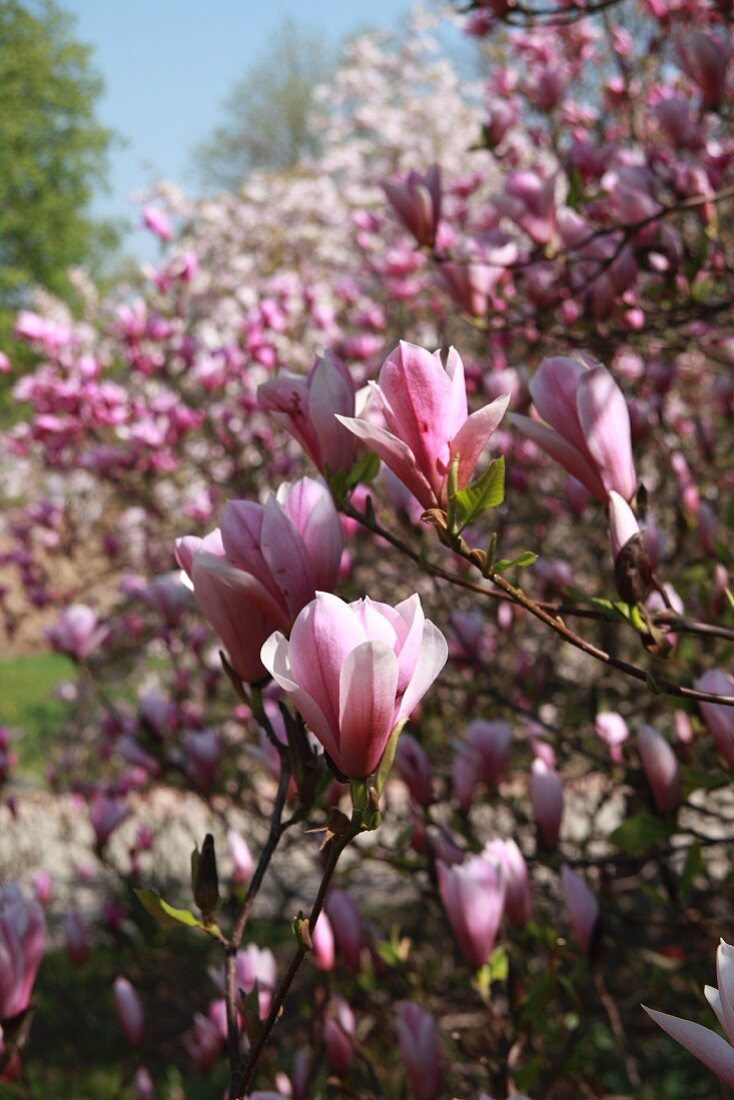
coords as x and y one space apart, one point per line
255 574
420 1048
417 202
428 425
306 407
355 671
473 895
718 717
22 939
587 425
706 1045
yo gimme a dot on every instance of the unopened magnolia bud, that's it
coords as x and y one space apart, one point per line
206 879
632 569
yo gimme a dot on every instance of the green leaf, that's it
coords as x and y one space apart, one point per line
486 492
526 558
366 468
167 916
640 832
499 965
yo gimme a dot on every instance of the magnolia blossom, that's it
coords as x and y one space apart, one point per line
587 425
582 908
77 632
661 768
306 408
710 1048
255 574
428 425
129 1010
420 1048
355 671
718 717
417 202
22 939
473 895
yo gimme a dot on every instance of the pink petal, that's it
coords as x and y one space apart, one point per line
702 1042
567 456
331 391
284 553
395 454
605 422
553 390
473 436
275 656
323 636
367 688
725 978
433 655
218 570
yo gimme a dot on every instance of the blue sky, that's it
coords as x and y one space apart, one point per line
168 64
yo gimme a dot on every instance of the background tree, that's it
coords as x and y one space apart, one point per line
267 112
53 151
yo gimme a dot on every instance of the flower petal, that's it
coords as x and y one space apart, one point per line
702 1042
605 422
367 687
395 454
474 435
573 461
433 655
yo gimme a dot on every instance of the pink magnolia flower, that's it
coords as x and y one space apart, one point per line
157 222
546 797
710 1048
347 927
339 1028
473 895
518 900
22 939
530 201
306 407
417 202
105 814
130 1011
611 728
661 768
582 908
428 425
255 574
77 632
704 59
323 943
355 671
587 425
718 718
420 1048
414 768
241 857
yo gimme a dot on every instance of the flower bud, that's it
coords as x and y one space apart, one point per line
582 908
661 768
129 1010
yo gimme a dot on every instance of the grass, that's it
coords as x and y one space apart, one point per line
29 705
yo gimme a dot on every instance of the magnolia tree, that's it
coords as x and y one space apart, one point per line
516 544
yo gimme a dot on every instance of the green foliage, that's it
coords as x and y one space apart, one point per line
53 152
267 112
640 832
28 704
488 491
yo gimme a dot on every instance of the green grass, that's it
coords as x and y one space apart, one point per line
28 704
